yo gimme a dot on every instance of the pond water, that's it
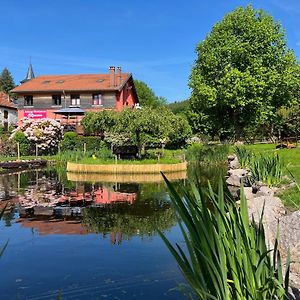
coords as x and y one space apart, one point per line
99 241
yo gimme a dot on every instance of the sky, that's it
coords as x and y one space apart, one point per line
154 40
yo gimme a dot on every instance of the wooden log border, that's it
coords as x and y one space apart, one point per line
126 169
124 178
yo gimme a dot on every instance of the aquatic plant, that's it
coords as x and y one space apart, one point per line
268 169
207 153
225 255
243 155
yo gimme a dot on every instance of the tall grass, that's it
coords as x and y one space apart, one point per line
207 153
226 256
268 169
244 156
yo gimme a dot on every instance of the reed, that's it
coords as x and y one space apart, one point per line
226 256
268 169
243 155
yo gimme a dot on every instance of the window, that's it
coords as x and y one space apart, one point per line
75 100
97 99
28 100
56 99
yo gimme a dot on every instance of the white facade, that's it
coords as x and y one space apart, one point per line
8 116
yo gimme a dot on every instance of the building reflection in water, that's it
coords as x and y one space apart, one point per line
49 204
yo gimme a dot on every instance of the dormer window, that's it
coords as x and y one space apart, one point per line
97 99
28 100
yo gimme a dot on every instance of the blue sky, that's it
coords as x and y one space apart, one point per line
155 40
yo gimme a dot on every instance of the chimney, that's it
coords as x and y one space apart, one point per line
112 76
119 78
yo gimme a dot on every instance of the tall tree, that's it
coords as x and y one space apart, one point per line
146 95
244 72
6 81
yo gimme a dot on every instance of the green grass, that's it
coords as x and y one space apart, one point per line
97 161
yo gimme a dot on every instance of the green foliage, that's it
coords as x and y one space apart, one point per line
6 81
244 72
244 156
179 107
207 153
128 219
143 128
98 122
146 95
23 141
69 142
226 256
268 169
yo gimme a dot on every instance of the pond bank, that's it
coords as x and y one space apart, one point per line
261 198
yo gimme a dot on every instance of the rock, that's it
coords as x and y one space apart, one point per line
234 191
231 157
248 193
234 164
234 180
265 191
238 172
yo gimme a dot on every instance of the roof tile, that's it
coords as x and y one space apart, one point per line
80 82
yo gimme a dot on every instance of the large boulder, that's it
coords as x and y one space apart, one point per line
289 229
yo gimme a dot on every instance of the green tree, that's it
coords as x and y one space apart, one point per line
146 95
179 106
98 122
6 81
244 72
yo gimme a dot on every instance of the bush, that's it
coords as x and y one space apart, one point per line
44 133
8 148
23 141
69 142
93 143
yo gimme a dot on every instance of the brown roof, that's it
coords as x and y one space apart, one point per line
79 82
5 102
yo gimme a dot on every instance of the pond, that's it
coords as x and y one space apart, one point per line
99 241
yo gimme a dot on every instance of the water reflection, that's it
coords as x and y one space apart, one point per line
49 203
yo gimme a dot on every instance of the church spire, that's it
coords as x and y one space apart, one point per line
30 74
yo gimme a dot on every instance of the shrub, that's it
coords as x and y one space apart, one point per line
226 256
8 148
44 133
93 143
23 141
69 142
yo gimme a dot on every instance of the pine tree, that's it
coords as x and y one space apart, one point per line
6 81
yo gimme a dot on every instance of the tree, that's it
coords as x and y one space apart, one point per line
179 107
146 95
98 122
244 72
6 81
